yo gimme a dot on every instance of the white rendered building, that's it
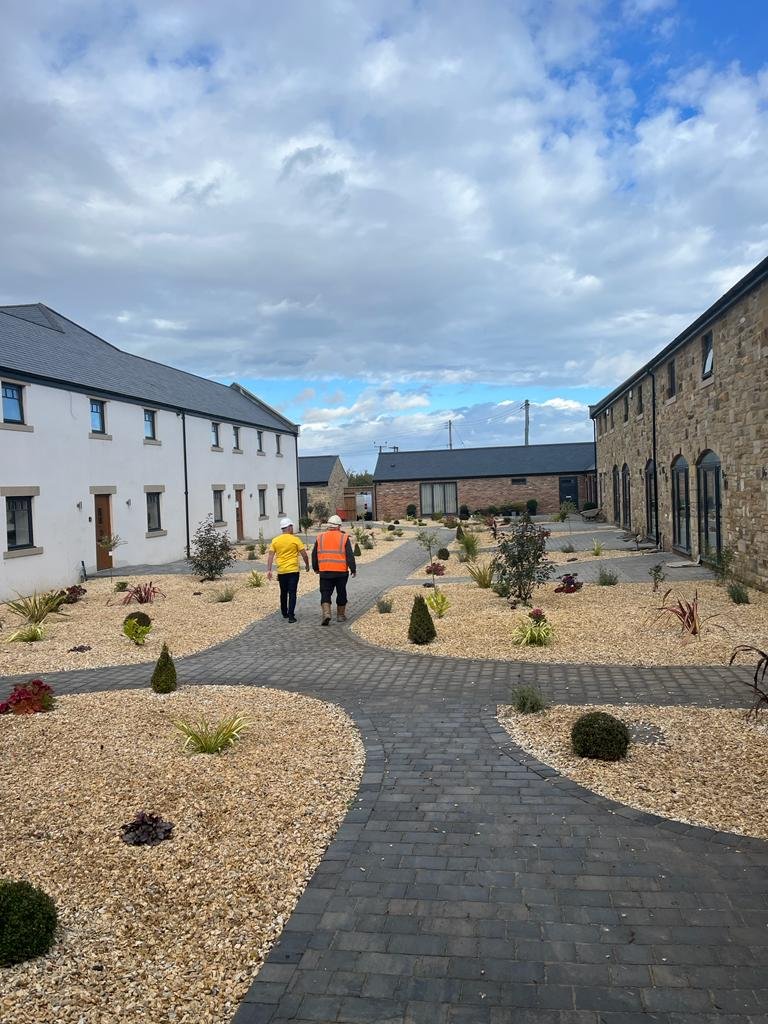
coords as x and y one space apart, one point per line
95 441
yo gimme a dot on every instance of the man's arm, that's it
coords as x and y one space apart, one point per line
351 563
270 560
315 563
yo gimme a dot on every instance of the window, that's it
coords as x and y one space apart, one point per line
709 478
263 501
626 408
218 506
278 442
18 514
440 498
518 481
280 504
650 499
260 441
215 435
153 512
98 420
681 515
639 399
236 438
626 502
616 496
13 407
150 427
707 356
612 421
671 379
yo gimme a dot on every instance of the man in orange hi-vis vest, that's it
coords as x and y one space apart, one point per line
334 559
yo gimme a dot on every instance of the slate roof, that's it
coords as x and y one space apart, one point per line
315 470
511 460
37 342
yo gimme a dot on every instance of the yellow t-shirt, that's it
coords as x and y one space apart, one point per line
287 547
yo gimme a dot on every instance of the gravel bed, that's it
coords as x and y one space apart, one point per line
186 619
709 769
174 932
617 625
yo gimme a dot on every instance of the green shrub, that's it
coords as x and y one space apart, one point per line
459 532
657 574
121 586
607 578
438 603
410 511
27 922
738 593
521 562
141 617
421 629
250 547
531 506
444 554
528 701
384 605
206 738
136 632
534 630
255 579
164 674
399 532
470 545
212 552
597 547
29 634
223 596
305 522
567 508
722 565
482 574
356 549
391 526
37 607
251 556
600 736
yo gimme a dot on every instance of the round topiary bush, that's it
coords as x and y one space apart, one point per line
27 922
141 617
444 554
600 736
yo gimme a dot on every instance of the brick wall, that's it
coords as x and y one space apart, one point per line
392 499
726 413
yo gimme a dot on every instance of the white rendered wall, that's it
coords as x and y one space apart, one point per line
60 458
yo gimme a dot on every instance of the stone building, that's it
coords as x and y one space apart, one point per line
321 478
443 481
682 444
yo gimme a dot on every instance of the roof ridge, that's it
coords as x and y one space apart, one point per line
51 324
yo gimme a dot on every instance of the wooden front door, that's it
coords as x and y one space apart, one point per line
239 514
103 522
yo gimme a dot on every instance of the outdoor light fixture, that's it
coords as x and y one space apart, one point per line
128 502
79 505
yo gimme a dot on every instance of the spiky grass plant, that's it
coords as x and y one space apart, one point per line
36 608
223 596
204 737
255 579
482 573
686 612
438 603
29 634
526 700
597 547
533 631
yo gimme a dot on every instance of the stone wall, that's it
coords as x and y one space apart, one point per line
726 413
392 499
333 493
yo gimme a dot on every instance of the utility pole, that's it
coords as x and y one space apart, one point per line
527 407
450 434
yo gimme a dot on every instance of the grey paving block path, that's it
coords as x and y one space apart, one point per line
469 883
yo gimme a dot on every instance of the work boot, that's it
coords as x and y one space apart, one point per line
326 613
341 613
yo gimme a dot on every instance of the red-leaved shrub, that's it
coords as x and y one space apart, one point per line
28 699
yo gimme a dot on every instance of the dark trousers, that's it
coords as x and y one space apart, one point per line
289 583
330 581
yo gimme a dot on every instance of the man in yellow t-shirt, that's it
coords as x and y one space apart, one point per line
287 547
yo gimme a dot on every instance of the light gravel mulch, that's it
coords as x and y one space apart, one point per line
617 625
174 932
707 767
186 619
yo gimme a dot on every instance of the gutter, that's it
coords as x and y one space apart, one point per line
186 475
657 538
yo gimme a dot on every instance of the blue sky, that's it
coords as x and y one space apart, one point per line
384 215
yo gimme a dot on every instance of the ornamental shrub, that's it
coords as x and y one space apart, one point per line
444 554
463 511
146 830
28 699
212 551
356 549
459 532
391 526
528 701
141 617
521 562
600 736
164 674
421 629
531 505
27 922
410 511
738 593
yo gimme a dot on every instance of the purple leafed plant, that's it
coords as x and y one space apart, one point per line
569 584
142 593
146 830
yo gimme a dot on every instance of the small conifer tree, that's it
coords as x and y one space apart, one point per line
164 675
356 550
421 629
459 532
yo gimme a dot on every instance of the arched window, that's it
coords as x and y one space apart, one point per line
626 503
650 499
681 505
708 478
616 496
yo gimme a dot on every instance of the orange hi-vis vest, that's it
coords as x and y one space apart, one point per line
331 556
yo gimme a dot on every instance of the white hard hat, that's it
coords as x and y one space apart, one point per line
334 521
285 523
